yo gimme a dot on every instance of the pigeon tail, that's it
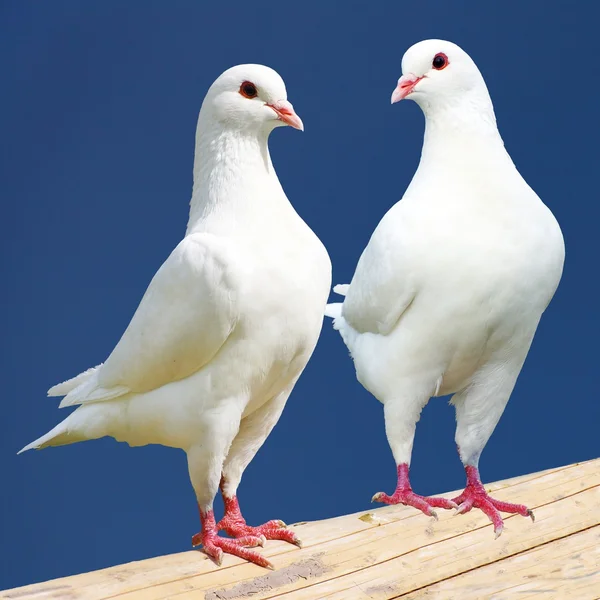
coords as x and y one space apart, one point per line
341 288
88 422
334 310
59 436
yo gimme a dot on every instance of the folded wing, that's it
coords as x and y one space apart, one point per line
185 317
384 284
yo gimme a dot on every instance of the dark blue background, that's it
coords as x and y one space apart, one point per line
97 116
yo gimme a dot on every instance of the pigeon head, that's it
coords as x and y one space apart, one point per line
250 98
437 73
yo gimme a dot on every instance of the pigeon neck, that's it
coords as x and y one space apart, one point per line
471 111
465 127
230 168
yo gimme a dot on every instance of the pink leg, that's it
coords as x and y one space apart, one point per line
405 495
234 524
475 496
214 546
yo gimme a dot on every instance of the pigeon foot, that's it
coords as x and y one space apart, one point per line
405 495
234 525
214 546
475 496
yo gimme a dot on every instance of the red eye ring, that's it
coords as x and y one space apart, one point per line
440 61
248 90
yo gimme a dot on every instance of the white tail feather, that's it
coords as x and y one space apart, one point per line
55 437
334 310
341 288
86 423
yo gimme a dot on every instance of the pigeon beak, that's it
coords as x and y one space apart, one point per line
406 84
285 112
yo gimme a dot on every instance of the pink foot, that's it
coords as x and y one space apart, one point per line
475 496
214 546
405 495
234 524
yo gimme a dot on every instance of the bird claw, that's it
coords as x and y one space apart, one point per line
234 524
476 496
215 553
215 546
407 497
279 533
252 541
463 508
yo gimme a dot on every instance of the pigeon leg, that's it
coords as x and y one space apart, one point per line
478 410
475 496
252 433
204 463
405 495
401 416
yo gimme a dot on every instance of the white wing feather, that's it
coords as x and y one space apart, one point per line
187 313
384 283
60 389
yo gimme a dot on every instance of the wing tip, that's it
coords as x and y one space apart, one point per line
98 394
60 389
65 387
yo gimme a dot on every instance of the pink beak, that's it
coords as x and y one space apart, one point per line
285 112
406 84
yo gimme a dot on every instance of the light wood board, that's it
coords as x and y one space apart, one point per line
391 552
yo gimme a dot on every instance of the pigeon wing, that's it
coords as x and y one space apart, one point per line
384 283
186 315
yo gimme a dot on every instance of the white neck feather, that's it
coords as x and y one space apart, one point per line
462 129
232 168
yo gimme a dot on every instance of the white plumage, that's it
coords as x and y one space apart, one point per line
228 322
448 294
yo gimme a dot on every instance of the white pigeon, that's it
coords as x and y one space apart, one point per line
228 322
447 295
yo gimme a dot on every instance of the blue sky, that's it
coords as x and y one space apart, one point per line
98 113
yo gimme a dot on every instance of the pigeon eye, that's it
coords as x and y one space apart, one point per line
248 90
440 61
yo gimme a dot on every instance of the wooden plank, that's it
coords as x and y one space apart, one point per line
566 568
438 561
350 554
167 576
